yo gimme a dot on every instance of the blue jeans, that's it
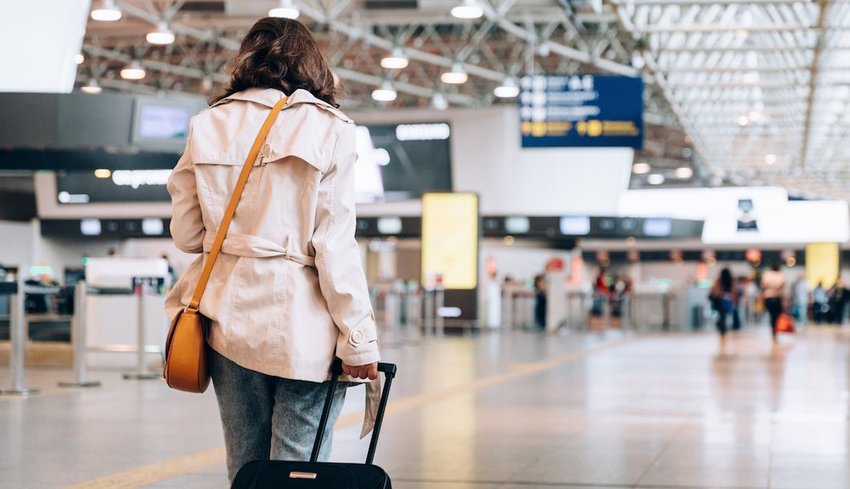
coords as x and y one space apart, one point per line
266 417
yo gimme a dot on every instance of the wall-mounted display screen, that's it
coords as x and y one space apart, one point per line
394 162
103 185
162 125
400 162
163 122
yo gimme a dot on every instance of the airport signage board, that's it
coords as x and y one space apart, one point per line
822 264
450 234
581 111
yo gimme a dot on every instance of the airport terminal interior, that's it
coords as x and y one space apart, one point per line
606 243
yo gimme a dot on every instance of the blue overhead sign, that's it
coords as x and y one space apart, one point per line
581 110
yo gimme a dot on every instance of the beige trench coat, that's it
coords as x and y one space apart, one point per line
288 291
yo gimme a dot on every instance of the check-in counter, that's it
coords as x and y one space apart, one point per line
113 311
656 308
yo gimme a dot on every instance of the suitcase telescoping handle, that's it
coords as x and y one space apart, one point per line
389 370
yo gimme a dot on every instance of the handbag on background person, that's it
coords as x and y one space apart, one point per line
784 323
186 343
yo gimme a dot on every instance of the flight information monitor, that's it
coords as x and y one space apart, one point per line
400 162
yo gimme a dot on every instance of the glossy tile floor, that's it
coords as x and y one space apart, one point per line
509 411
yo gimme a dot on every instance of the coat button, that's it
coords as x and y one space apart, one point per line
357 336
267 150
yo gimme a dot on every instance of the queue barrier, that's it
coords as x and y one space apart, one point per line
518 307
434 301
654 310
78 340
17 337
410 312
142 285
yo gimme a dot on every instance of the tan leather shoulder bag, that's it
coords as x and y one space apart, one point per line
186 344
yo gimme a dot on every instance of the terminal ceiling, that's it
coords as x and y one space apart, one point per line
757 88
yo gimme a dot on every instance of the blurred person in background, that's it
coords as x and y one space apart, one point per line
172 276
800 302
838 296
601 292
739 302
773 290
820 306
540 302
724 295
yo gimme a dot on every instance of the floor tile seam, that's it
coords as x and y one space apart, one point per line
684 424
146 475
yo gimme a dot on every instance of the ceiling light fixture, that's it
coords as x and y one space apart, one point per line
133 71
439 102
161 36
107 11
386 93
641 168
684 173
91 87
285 10
456 76
468 9
655 179
396 60
508 89
638 61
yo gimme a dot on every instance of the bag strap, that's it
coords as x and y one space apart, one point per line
231 206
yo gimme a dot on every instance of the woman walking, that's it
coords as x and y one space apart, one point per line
773 290
288 292
724 296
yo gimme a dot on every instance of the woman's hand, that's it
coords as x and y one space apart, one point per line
368 371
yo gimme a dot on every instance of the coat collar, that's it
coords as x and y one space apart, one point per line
270 96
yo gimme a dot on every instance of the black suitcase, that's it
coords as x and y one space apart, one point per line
281 474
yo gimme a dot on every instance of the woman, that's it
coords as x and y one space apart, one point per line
724 295
773 290
288 292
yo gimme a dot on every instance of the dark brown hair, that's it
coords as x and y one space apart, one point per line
282 54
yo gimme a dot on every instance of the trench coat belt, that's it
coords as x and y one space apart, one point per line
256 247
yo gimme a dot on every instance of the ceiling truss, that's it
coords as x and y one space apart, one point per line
761 88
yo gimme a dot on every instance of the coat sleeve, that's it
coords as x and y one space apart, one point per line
187 224
338 261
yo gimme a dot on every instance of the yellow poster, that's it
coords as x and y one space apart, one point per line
450 240
822 264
